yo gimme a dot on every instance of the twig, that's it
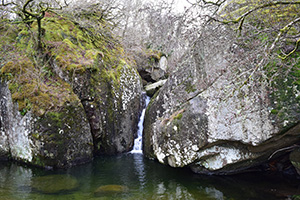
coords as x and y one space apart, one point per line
283 149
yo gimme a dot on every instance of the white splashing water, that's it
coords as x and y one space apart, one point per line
137 148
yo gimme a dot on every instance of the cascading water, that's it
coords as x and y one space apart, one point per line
137 148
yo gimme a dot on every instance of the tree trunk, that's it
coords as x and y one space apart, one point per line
39 38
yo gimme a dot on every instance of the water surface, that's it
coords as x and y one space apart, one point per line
145 179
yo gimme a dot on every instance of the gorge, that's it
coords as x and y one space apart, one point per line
224 100
88 99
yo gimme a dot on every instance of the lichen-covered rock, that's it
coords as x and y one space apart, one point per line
4 144
57 139
107 85
202 120
112 101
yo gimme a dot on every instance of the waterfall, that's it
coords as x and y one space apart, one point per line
137 148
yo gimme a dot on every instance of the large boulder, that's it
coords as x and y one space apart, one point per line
112 100
80 97
107 85
59 138
205 119
152 65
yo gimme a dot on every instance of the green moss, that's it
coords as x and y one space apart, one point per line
113 75
285 91
296 197
269 14
38 161
16 67
56 118
70 44
274 111
36 136
189 87
33 91
34 84
178 117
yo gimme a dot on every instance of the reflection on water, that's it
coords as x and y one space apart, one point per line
145 179
139 167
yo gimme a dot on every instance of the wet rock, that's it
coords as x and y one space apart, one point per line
110 190
54 183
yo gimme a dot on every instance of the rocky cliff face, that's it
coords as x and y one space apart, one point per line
57 139
79 98
112 101
203 119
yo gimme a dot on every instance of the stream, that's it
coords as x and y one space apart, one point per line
143 179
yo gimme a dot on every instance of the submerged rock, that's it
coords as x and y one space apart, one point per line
54 183
202 120
110 190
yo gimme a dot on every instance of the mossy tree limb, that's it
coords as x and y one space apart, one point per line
273 23
33 10
240 19
39 15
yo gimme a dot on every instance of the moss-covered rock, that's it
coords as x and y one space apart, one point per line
59 138
77 95
112 102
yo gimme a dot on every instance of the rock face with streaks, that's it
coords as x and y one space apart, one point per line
112 101
58 139
204 119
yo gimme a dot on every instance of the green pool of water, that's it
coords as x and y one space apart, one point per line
130 176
